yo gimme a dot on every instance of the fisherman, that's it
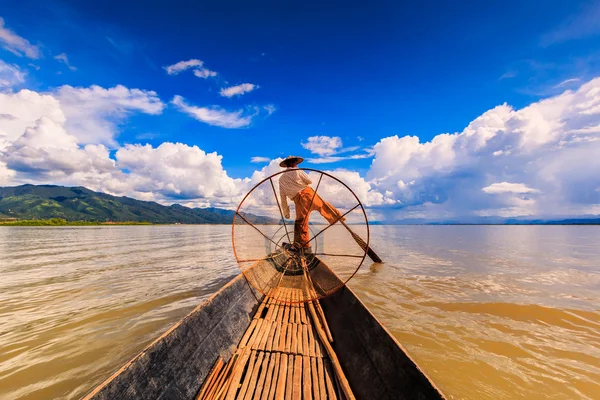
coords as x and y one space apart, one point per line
295 184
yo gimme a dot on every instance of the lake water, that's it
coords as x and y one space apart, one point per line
488 312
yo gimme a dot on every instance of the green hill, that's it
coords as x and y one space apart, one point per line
81 204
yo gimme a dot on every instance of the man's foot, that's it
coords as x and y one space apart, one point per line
287 246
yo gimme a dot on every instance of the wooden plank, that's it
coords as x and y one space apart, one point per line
339 373
300 339
261 307
288 338
271 380
233 384
271 307
286 312
315 378
248 333
275 343
297 308
291 304
321 377
303 313
305 347
294 331
255 334
248 375
329 381
264 371
254 377
281 309
265 337
271 338
281 345
323 320
276 306
320 349
311 341
220 384
211 378
306 378
290 378
297 379
281 380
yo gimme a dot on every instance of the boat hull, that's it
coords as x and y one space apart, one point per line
176 364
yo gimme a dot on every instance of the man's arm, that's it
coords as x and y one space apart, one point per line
304 177
284 204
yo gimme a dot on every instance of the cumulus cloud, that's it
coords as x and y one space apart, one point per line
176 171
16 44
93 113
65 60
548 146
216 116
10 75
323 145
238 90
329 148
540 160
22 109
196 65
47 151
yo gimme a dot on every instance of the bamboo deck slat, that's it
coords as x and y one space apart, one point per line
280 356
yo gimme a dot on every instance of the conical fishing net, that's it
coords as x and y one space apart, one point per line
317 249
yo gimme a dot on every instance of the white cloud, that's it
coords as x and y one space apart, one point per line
323 145
540 160
338 195
329 148
506 187
204 73
22 109
93 113
215 115
196 65
260 159
47 151
10 75
65 60
238 90
176 171
566 82
548 145
182 66
16 44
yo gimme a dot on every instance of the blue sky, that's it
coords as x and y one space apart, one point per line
353 72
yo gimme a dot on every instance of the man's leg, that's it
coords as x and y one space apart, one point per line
301 234
329 212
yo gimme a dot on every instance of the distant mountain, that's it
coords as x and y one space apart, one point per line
81 204
583 220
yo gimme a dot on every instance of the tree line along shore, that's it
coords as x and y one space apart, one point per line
63 222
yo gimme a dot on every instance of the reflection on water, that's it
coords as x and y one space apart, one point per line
487 311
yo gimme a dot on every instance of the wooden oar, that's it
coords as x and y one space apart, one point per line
362 244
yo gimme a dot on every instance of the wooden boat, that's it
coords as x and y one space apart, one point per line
243 344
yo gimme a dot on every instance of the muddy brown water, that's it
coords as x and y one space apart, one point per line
488 312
